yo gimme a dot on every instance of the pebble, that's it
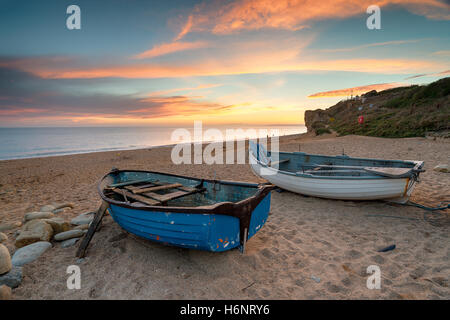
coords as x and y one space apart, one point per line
185 275
37 215
5 260
69 243
75 233
13 278
64 205
9 226
118 237
3 237
58 225
5 292
82 227
30 253
84 218
316 279
34 231
47 208
441 168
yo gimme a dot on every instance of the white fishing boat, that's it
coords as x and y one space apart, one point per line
336 177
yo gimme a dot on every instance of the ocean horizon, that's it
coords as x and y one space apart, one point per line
35 142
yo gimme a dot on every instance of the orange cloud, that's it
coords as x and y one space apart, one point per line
186 29
443 73
355 90
241 64
442 53
19 111
167 48
437 74
178 105
228 17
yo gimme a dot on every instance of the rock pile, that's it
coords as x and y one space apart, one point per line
34 238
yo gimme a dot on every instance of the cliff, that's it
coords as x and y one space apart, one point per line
400 112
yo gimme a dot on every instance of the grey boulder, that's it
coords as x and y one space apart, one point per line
30 253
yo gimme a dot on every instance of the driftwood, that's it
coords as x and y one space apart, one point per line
81 252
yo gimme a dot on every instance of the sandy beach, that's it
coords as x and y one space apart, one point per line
305 238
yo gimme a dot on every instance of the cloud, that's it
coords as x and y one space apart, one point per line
13 110
435 74
172 47
443 73
355 90
442 53
220 17
199 87
370 45
185 30
255 61
416 76
178 105
27 98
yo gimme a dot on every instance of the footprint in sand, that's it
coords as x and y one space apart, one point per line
347 282
333 288
267 253
300 283
418 272
288 234
265 293
378 259
354 254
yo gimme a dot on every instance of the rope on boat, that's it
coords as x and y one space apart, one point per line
388 216
442 206
432 215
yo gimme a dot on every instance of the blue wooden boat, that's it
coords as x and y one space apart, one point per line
186 212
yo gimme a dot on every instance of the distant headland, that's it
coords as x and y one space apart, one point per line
412 111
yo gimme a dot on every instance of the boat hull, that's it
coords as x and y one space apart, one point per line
398 190
211 232
214 227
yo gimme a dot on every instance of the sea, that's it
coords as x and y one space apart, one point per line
20 143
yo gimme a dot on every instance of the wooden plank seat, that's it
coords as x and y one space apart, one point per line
173 195
156 188
128 195
146 193
128 183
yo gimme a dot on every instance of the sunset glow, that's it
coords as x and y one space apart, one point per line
243 61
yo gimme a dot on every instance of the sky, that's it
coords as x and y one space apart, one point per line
141 63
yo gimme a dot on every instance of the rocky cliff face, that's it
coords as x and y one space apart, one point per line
399 112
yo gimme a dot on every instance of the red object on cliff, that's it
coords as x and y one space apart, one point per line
360 119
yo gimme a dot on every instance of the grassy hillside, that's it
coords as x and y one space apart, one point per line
400 112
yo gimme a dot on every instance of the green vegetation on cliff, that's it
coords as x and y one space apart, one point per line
400 112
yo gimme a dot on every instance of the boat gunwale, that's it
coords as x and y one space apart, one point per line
345 157
223 207
417 167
